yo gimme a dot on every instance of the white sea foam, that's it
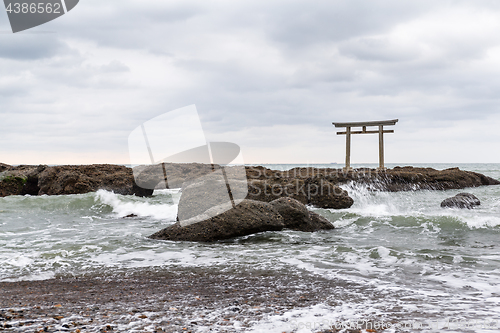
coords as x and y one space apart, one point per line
481 221
319 317
124 206
153 257
32 277
19 261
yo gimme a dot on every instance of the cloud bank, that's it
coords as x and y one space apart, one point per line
271 77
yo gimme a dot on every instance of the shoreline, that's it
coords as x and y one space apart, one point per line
156 300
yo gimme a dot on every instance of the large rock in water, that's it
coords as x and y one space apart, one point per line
247 218
171 175
297 217
313 191
4 167
69 179
211 190
76 179
398 179
462 200
21 180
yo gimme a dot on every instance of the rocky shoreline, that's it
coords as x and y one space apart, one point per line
306 185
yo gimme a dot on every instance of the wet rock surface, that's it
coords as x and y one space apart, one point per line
4 167
393 180
249 217
461 200
171 175
69 179
21 180
318 192
297 217
212 190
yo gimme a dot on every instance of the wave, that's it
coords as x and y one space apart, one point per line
418 207
130 205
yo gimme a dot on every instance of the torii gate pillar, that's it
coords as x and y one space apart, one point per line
363 130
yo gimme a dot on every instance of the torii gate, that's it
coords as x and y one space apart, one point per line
363 125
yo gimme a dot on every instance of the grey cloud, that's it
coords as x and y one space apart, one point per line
304 64
130 24
115 66
28 47
296 25
378 49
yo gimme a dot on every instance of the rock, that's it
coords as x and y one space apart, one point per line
21 180
310 186
319 222
398 179
211 190
267 190
295 214
4 167
315 191
175 174
297 217
11 185
247 218
324 194
69 179
76 179
461 200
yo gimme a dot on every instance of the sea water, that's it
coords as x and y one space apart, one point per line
402 258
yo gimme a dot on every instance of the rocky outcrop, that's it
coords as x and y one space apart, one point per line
314 191
11 185
297 217
4 167
76 179
21 180
311 186
461 200
69 179
171 175
393 180
203 186
247 218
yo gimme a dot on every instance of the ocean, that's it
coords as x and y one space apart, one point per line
399 259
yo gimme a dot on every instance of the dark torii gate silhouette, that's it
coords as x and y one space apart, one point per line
364 125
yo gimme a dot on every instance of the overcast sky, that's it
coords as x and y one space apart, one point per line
270 76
